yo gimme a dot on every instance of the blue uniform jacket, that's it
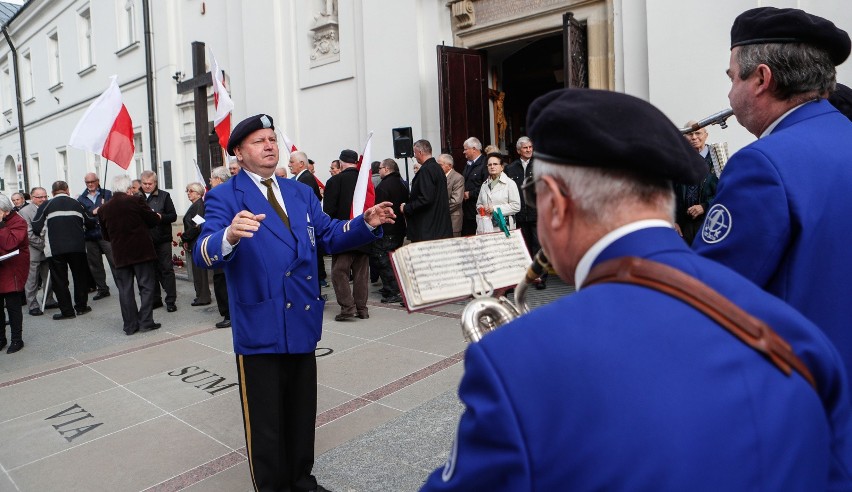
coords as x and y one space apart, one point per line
620 387
783 218
274 299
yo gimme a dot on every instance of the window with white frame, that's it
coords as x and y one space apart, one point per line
138 156
5 86
27 92
54 68
84 38
62 164
35 170
126 23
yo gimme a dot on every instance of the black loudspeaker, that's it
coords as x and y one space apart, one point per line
403 144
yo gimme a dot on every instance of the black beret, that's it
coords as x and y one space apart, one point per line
611 130
246 127
772 25
348 156
842 100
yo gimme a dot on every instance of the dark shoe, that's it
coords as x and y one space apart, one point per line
541 285
320 488
3 344
51 305
323 283
64 316
100 295
83 311
157 304
196 303
171 308
14 347
225 323
131 332
392 299
363 315
151 328
36 312
343 317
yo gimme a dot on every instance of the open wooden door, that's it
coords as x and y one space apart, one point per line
575 51
463 92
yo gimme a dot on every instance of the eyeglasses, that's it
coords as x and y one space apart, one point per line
90 182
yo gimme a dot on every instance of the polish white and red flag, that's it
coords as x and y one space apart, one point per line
365 195
106 128
223 103
288 144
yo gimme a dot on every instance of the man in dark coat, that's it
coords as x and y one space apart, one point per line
65 246
96 245
391 189
161 202
299 168
125 222
474 175
427 212
338 205
518 171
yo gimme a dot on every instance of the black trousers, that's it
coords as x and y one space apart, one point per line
135 318
12 301
278 393
165 273
379 255
94 250
220 290
59 265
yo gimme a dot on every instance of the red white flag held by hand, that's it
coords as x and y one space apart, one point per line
224 104
106 128
365 195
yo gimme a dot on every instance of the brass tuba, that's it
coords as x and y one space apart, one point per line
484 314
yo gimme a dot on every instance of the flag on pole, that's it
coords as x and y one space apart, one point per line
288 144
224 104
365 195
106 128
198 176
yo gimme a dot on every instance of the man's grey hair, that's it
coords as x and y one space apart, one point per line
120 184
522 141
220 172
424 146
800 71
600 193
300 156
19 194
390 165
148 174
445 159
5 203
473 143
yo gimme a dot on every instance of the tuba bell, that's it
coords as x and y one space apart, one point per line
484 314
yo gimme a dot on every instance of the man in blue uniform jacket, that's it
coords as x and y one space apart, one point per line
264 232
624 387
781 215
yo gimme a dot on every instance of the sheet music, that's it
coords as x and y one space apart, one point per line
434 271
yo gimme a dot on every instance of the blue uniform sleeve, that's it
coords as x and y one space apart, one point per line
748 226
489 452
207 251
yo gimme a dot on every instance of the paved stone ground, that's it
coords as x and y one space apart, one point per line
85 407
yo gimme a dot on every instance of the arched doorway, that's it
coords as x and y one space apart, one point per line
10 176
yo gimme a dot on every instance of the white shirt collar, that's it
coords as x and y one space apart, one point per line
780 119
704 151
585 263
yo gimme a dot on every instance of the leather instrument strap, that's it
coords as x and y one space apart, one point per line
750 330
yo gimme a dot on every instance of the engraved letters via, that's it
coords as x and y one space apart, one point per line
207 381
73 415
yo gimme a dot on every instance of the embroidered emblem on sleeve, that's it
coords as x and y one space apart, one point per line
717 225
450 466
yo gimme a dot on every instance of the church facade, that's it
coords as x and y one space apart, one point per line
330 72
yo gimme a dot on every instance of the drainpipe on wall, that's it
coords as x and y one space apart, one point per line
149 82
20 106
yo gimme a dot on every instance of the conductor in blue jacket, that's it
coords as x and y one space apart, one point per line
627 387
264 232
781 216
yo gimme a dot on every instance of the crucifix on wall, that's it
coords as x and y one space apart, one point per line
198 84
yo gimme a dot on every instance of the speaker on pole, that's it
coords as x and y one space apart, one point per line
403 143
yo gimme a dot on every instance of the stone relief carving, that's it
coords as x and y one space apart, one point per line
463 13
325 37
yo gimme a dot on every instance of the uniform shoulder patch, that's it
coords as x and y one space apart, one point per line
450 466
717 224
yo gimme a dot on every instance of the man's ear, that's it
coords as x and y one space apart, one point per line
238 153
556 203
765 80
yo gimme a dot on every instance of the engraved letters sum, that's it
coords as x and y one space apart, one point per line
207 381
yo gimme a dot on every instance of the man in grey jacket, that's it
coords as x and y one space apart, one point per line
39 268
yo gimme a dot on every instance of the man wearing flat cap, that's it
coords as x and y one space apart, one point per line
649 377
781 216
264 232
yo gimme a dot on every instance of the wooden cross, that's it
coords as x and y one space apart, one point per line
201 79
